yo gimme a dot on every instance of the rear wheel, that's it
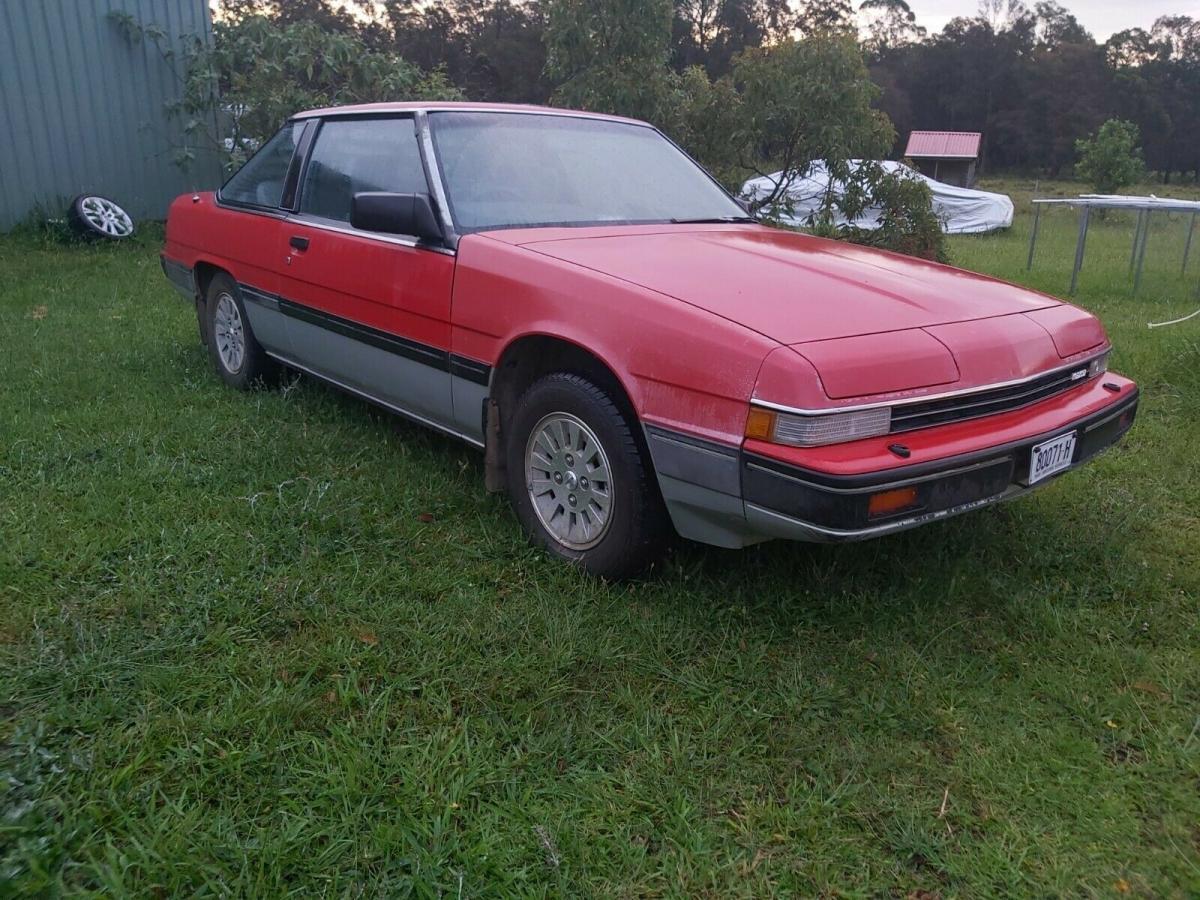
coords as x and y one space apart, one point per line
579 480
237 356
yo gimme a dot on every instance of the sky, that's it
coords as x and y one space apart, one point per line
1100 17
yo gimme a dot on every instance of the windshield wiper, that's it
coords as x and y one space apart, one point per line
713 220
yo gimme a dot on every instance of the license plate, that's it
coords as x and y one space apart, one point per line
1051 456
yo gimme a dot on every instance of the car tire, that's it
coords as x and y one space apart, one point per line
238 358
581 482
93 216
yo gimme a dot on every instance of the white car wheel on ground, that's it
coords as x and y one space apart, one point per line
94 216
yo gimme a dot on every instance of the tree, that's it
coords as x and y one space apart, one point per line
611 55
1065 96
889 24
1156 85
810 101
804 101
344 16
264 72
1004 15
816 16
1132 47
1111 159
491 49
1055 26
1179 36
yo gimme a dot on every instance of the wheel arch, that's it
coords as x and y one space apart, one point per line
204 271
531 356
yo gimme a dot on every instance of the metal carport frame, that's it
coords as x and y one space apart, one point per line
1145 207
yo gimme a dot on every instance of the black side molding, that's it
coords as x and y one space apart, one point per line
426 354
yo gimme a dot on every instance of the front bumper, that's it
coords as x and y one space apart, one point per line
783 501
767 498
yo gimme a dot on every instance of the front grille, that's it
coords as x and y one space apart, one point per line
988 402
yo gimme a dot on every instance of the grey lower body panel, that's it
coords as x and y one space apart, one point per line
426 384
393 379
267 321
181 277
701 483
379 401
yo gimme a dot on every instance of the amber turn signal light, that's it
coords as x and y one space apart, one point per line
887 502
760 424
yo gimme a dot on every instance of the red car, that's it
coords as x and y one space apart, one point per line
575 296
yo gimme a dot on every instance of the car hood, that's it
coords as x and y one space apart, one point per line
785 285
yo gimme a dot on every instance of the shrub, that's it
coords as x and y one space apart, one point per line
1111 159
907 222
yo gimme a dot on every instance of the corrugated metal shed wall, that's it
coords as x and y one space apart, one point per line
84 109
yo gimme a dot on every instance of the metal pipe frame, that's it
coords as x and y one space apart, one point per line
1187 247
1137 276
1080 244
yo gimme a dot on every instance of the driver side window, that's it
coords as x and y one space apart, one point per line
261 180
352 156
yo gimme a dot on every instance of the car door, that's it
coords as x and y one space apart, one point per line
243 232
369 311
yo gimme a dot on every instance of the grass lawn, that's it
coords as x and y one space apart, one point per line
284 643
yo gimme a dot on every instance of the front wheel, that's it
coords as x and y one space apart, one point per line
580 482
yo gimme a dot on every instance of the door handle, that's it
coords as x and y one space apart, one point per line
298 243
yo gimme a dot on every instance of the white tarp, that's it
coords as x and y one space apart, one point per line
961 210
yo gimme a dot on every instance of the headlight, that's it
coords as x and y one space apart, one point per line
1099 365
815 430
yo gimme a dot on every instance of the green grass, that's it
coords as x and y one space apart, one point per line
283 643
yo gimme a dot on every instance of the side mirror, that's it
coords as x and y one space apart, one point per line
396 214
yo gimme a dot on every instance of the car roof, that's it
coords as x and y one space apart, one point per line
456 106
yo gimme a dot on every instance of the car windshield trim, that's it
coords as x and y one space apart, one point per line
719 198
603 223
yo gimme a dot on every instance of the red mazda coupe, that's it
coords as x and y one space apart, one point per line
634 354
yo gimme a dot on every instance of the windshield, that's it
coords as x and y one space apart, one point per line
512 169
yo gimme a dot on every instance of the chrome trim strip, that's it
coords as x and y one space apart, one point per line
810 531
469 108
391 407
270 212
310 222
434 173
925 398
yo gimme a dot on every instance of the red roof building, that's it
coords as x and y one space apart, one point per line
949 156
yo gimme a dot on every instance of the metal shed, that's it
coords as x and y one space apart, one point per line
82 108
949 156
